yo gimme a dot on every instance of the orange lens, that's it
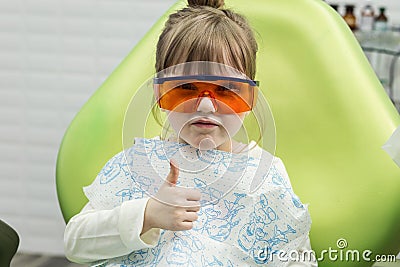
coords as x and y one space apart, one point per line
229 95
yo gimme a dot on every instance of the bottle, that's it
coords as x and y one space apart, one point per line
381 21
334 6
367 18
349 17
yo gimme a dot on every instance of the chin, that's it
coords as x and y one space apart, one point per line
206 142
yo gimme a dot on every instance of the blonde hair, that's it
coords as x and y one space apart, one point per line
205 31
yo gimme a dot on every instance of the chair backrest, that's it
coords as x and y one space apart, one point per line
9 241
332 117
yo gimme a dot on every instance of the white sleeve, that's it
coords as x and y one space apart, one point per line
94 235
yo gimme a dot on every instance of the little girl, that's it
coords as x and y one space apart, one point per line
196 197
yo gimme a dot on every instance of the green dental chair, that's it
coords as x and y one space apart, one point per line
331 113
9 242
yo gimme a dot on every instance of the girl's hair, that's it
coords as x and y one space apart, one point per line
205 31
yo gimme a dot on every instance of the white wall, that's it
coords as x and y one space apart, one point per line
53 56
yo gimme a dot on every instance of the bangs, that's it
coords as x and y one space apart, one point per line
215 41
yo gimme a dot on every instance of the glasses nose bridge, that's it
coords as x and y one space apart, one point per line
209 95
206 93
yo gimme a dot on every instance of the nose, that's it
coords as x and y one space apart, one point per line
205 104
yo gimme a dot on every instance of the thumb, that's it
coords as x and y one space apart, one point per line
172 177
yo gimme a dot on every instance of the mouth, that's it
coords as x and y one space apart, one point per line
205 123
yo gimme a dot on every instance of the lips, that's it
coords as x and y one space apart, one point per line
204 123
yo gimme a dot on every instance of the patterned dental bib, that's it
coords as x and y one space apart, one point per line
249 212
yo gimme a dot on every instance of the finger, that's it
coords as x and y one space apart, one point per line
192 205
193 194
191 217
195 207
172 177
186 225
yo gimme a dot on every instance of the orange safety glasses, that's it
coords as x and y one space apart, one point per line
184 93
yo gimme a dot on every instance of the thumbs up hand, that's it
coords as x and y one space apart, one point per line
173 208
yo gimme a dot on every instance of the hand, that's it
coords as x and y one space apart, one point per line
173 208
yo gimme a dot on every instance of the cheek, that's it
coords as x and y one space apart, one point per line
177 120
232 123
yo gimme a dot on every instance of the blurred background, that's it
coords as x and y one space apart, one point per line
53 57
54 54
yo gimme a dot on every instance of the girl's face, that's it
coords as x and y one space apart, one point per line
206 102
206 129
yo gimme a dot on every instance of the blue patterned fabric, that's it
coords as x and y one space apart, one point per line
249 211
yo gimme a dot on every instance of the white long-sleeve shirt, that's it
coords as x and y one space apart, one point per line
96 235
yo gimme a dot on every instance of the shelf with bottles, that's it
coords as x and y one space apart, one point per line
368 19
379 41
383 52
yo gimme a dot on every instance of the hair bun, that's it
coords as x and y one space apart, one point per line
210 3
